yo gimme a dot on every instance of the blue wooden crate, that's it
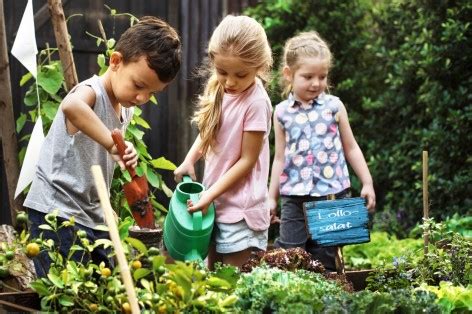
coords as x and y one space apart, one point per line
337 222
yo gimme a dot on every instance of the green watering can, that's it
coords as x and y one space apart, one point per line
187 235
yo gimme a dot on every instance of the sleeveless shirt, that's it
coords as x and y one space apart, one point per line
63 177
314 158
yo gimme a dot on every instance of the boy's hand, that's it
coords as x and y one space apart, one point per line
273 211
184 169
368 193
130 159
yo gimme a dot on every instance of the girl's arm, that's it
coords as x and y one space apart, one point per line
250 149
188 165
277 168
356 159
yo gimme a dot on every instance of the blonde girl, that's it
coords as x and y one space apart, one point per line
313 143
234 118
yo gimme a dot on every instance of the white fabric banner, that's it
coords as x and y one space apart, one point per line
24 48
28 169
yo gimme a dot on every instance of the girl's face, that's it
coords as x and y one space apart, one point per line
309 80
235 75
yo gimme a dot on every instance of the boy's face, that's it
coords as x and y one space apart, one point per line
133 83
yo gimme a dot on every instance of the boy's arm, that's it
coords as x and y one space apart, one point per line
250 149
355 157
77 108
277 168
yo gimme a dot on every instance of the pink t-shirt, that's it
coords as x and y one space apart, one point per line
247 199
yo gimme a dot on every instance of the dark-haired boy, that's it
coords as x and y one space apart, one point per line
146 59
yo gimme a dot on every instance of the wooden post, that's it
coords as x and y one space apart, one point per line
339 258
7 126
425 199
63 43
115 238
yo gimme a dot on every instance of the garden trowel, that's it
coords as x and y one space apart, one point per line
136 191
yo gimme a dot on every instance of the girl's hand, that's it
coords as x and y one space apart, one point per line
184 169
130 158
368 193
273 211
203 203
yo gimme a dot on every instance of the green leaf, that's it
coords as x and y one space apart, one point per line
158 205
101 60
25 78
56 280
111 43
50 79
163 163
123 228
146 284
66 300
20 122
105 242
153 99
50 109
153 178
45 227
157 261
137 134
140 121
137 244
140 273
40 287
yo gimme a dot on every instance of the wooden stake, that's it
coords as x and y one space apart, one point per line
115 238
339 258
425 199
7 126
63 43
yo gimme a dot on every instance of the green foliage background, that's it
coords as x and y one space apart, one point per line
401 68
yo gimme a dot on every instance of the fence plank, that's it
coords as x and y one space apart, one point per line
7 127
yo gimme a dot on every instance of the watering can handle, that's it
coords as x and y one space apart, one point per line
187 179
197 217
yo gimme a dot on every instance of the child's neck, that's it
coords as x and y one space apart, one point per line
304 103
111 96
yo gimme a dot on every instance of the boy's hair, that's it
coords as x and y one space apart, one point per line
155 39
244 38
306 44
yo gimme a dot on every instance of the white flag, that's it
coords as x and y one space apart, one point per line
28 169
24 48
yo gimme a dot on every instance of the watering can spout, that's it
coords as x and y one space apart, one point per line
193 255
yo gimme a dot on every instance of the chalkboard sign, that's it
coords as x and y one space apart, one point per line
337 222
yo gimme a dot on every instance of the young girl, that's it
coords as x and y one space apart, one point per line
313 140
234 118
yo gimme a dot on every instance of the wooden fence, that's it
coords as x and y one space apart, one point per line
171 134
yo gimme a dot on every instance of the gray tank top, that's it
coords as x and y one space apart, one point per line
63 178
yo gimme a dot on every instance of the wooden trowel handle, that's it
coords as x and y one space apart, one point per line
121 146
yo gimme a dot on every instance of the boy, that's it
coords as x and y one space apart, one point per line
145 60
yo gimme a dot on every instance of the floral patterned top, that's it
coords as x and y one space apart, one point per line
314 158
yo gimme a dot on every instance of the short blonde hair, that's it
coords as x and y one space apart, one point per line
242 37
306 44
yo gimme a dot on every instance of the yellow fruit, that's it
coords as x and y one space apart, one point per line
106 272
32 249
126 307
93 307
136 264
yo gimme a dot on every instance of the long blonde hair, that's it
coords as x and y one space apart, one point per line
306 44
242 37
